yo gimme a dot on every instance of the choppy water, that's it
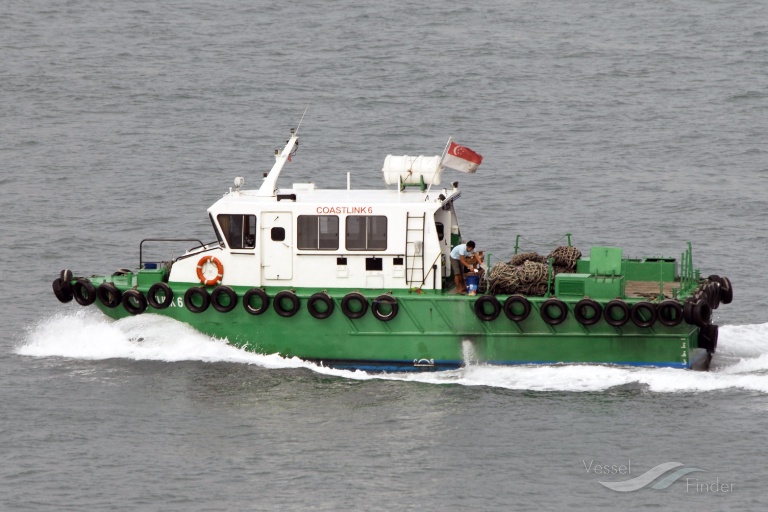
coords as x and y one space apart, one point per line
639 124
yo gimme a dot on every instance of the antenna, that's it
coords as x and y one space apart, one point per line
302 117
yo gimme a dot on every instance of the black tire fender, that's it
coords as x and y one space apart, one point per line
557 304
509 308
669 313
354 297
292 298
643 314
708 338
481 312
134 302
262 295
216 295
63 294
84 292
377 304
189 297
581 309
616 304
153 292
109 295
323 298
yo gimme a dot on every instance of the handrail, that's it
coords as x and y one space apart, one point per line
141 245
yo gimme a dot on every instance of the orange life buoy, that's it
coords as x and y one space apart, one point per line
219 267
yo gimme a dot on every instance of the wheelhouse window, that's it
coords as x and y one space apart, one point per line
366 233
239 230
318 232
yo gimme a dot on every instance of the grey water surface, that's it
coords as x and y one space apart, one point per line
636 124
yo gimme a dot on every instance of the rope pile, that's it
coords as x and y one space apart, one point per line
527 273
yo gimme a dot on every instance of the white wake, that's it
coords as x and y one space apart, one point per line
741 361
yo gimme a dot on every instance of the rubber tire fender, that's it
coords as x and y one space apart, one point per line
356 297
205 297
141 302
557 303
378 301
726 290
701 314
218 292
152 295
708 338
667 319
325 299
480 308
509 305
264 301
580 313
109 295
63 294
636 310
278 303
84 292
608 309
66 280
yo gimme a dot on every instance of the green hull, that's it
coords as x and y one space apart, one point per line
429 331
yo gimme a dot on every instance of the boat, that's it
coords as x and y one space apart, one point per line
362 278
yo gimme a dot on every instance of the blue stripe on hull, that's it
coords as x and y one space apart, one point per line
408 366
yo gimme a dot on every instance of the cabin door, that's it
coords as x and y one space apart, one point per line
277 245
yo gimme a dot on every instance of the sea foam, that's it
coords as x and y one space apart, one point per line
741 360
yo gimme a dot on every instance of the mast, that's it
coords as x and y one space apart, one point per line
269 187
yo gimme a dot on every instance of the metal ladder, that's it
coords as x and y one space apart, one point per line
414 249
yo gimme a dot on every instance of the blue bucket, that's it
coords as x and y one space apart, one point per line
472 283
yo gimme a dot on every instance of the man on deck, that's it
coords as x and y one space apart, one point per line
463 255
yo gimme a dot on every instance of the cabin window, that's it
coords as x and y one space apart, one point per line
277 234
239 230
366 233
216 230
440 230
318 232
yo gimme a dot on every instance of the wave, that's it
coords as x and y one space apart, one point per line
741 361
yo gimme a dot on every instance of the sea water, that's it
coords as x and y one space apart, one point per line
639 125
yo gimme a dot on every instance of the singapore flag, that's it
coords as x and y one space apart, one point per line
461 158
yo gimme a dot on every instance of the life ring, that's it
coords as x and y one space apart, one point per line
231 302
512 304
482 313
389 309
204 298
582 311
261 295
697 313
134 302
352 298
546 313
670 313
109 295
63 294
611 308
326 310
219 270
708 338
280 307
643 314
152 295
84 292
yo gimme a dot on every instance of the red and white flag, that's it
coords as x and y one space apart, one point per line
461 158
